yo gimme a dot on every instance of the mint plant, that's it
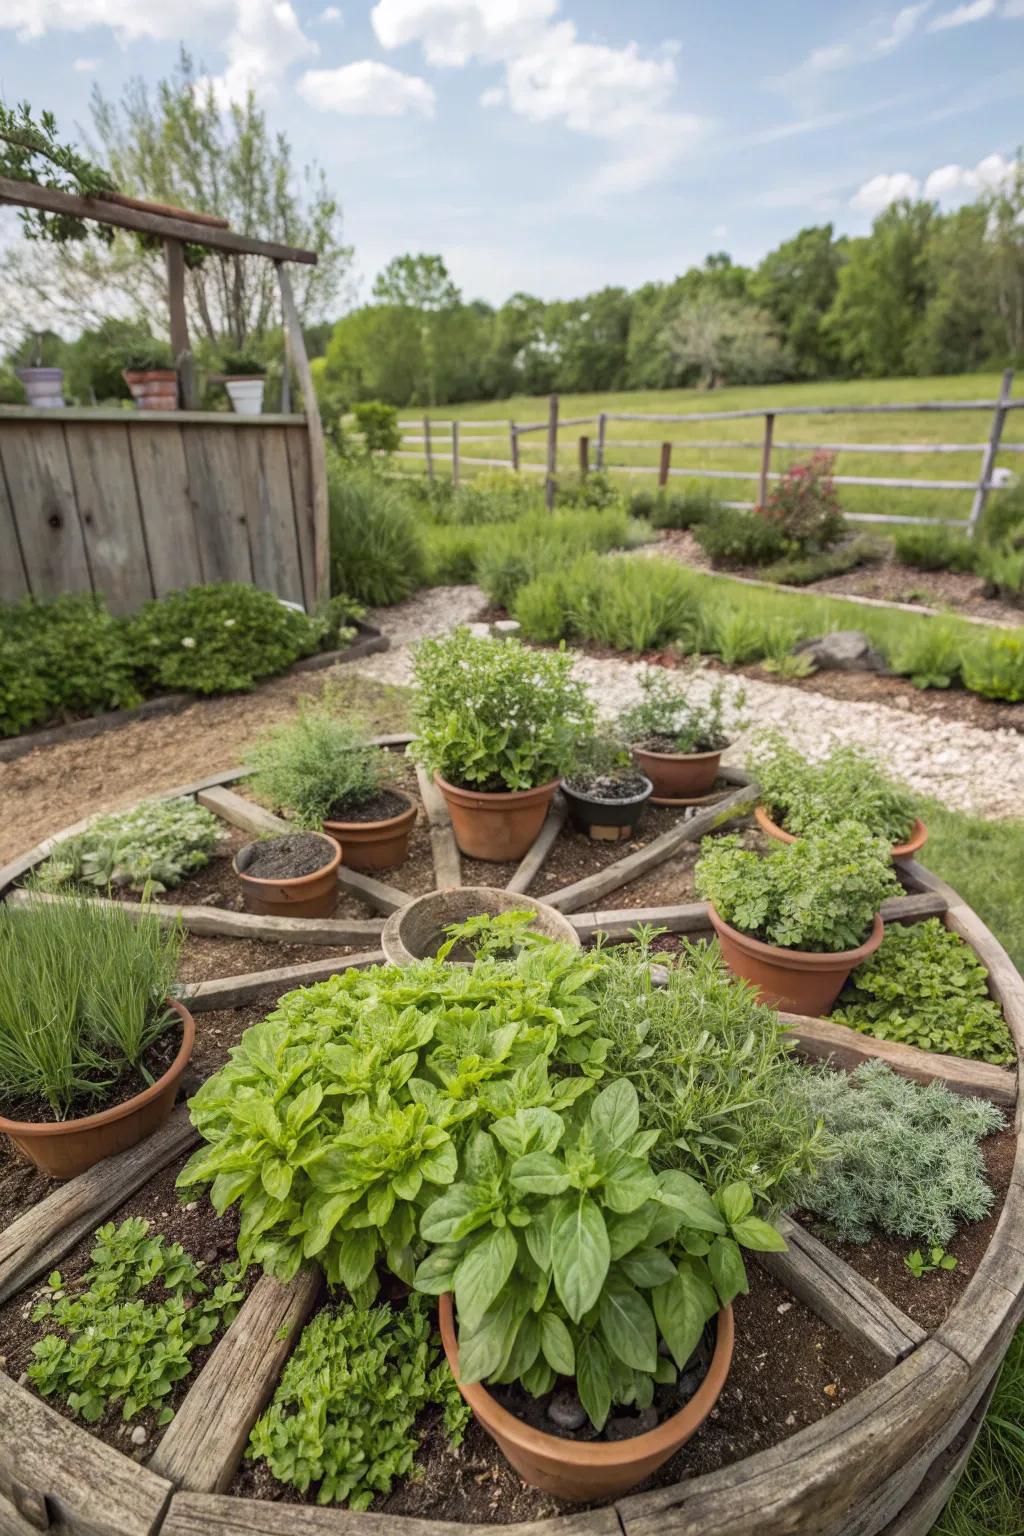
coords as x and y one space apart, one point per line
116 1344
665 719
149 848
819 894
847 785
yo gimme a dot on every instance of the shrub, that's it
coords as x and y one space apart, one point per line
494 715
907 1160
820 893
682 509
803 506
452 551
60 659
803 570
149 848
934 549
594 491
345 1409
377 549
847 785
511 556
542 606
316 767
379 425
625 604
1002 567
1003 517
993 665
731 537
926 987
665 719
219 638
929 654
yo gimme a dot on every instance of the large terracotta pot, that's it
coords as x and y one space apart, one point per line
596 1469
917 839
678 775
61 1149
374 844
796 980
417 930
154 390
314 895
496 826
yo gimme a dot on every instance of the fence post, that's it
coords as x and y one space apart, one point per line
455 455
428 451
584 457
766 458
513 445
664 465
988 458
602 422
552 468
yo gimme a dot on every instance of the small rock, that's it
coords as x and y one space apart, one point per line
210 1256
831 1390
506 627
479 631
23 1378
688 1383
627 1426
566 1410
139 1436
791 1419
783 1306
192 1205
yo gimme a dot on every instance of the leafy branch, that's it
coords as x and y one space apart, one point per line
31 151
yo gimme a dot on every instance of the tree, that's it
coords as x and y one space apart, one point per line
882 292
960 328
796 284
1005 218
724 340
421 286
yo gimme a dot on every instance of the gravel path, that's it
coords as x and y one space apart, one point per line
966 768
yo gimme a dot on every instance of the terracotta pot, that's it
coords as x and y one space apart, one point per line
418 929
606 820
679 775
916 840
156 389
314 895
496 826
586 1470
795 980
374 844
60 1149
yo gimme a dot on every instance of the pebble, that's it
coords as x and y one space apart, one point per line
831 1390
783 1306
192 1205
23 1378
791 1419
566 1410
688 1383
628 1426
139 1436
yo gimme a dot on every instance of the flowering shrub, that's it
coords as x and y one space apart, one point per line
803 504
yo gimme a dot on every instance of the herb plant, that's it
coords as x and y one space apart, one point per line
732 537
818 894
926 987
921 1264
344 1411
906 1159
316 767
847 785
149 848
602 765
993 666
60 659
129 1327
664 719
492 714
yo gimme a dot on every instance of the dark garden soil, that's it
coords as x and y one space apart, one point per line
289 856
612 787
383 807
155 1061
930 1299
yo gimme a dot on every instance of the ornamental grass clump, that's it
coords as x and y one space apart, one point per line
316 767
804 797
493 715
150 848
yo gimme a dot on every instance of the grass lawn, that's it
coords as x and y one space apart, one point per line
970 427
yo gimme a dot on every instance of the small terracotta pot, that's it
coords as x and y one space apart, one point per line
679 775
795 980
60 1149
374 844
588 1469
497 826
314 895
916 840
417 930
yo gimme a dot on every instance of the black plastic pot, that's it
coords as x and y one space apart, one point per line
606 820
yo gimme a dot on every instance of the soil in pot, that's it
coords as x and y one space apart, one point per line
295 875
287 857
374 835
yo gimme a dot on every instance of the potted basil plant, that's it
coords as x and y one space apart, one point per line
677 741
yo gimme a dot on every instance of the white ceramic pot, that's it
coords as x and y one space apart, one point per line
44 387
246 395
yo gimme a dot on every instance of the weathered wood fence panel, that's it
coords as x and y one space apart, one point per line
133 505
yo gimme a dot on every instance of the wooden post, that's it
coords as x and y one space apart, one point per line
427 449
584 457
602 423
174 255
455 454
766 458
286 385
664 465
552 466
298 360
513 445
988 458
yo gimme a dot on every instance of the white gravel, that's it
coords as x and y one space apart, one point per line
961 765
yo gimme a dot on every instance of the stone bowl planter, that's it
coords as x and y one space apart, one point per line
418 930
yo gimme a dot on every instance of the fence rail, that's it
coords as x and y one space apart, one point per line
429 430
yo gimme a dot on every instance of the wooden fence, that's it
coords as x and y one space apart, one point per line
135 504
446 441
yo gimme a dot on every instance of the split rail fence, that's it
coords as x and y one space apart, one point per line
444 442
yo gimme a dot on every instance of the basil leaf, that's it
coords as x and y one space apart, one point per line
735 1202
580 1256
760 1235
648 1267
628 1325
679 1310
616 1111
678 1190
727 1269
593 1381
540 1173
482 1272
556 1342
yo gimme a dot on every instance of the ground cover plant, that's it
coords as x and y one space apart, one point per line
316 765
964 850
935 549
82 999
62 658
906 1157
990 1495
627 605
820 893
667 718
846 785
150 848
129 1327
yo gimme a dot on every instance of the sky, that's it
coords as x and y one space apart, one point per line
556 146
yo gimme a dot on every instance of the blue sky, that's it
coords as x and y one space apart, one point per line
554 146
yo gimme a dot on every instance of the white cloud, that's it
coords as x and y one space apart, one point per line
963 15
85 66
494 96
945 184
330 13
1013 8
452 32
875 39
367 89
888 187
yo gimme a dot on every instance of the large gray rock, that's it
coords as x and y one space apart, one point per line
845 650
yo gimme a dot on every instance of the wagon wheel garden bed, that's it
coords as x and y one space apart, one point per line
778 1458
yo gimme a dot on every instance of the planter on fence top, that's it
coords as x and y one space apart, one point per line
417 930
496 826
916 841
156 389
679 775
607 818
44 387
312 894
584 1470
61 1149
375 844
246 394
795 980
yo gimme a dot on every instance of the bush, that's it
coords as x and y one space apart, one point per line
491 714
664 719
1003 517
819 894
379 425
511 556
803 570
378 555
934 549
593 491
60 659
926 987
731 537
803 506
316 768
493 496
629 605
219 638
149 848
993 665
907 1160
682 509
929 654
1002 567
847 785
